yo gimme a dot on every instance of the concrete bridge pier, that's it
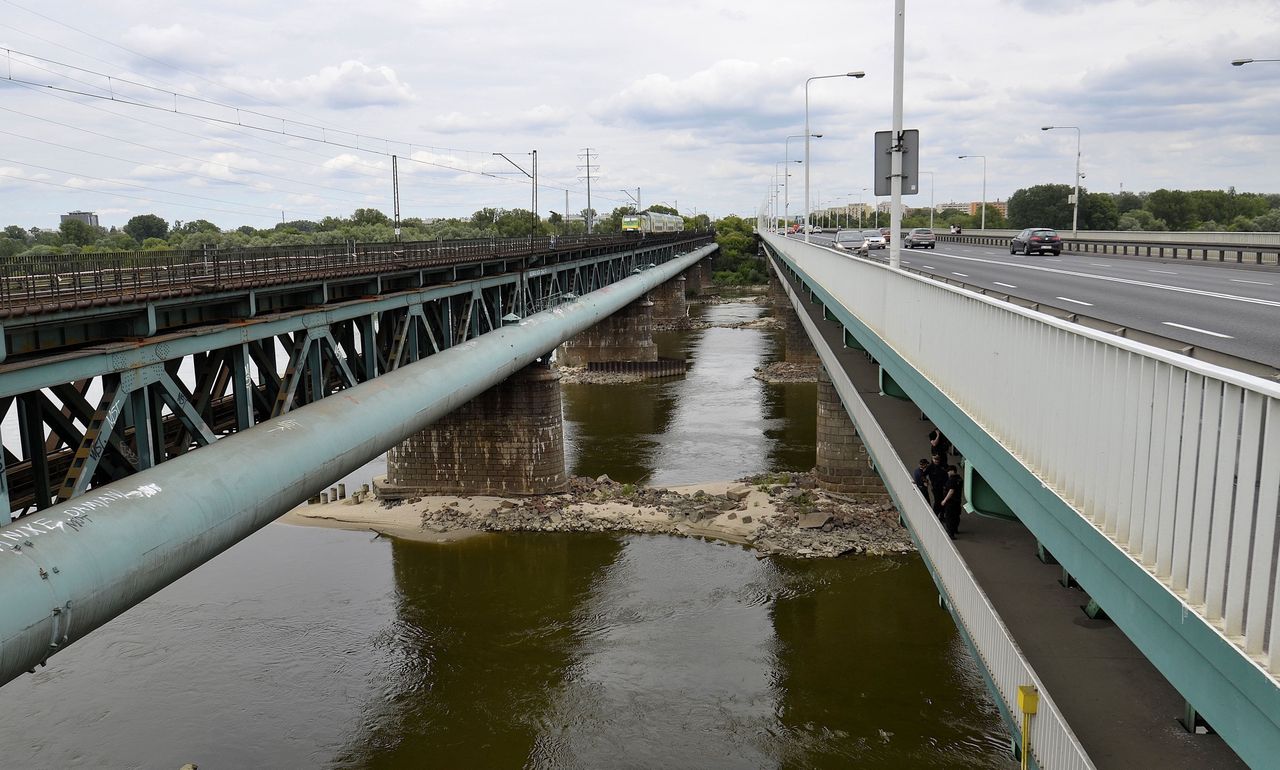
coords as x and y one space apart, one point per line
697 280
509 440
670 306
799 349
624 336
843 464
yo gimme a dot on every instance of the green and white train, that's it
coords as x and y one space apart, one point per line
650 222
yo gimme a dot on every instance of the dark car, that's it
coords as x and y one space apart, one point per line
920 236
1036 240
850 240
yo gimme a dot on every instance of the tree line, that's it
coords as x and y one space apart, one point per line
149 232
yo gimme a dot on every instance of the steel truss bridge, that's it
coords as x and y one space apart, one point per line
115 363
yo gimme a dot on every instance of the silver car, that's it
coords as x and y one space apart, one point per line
920 236
872 239
849 240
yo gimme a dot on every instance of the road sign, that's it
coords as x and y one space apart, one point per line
910 162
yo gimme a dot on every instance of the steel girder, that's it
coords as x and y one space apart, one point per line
97 414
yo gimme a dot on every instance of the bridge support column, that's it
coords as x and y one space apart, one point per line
509 440
799 350
624 336
695 278
843 464
670 308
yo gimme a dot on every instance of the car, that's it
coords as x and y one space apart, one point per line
873 239
849 240
884 233
920 236
817 229
1036 240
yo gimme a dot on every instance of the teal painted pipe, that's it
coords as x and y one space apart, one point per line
69 569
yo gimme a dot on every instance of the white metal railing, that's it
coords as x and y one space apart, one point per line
1176 461
1053 744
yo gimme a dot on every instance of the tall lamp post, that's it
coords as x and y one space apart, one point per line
533 222
1075 208
1242 62
931 203
984 186
786 190
856 74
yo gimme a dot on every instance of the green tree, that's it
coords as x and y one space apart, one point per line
1127 201
16 233
145 226
370 217
1175 207
661 209
1042 205
154 244
1140 219
1098 211
195 226
117 241
78 232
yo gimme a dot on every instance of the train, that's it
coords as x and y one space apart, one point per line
651 222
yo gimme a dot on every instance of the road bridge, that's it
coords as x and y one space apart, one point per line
1151 477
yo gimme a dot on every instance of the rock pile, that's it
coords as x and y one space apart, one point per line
783 372
777 514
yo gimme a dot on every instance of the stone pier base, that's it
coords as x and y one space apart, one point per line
509 440
843 464
697 280
670 307
799 350
627 335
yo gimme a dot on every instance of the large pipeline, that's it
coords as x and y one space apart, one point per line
71 568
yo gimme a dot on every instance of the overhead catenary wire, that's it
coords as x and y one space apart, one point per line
111 96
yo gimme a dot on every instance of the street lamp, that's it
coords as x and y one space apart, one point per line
984 186
786 176
856 74
1242 62
786 192
533 222
932 206
1075 209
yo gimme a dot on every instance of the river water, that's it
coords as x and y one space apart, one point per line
306 647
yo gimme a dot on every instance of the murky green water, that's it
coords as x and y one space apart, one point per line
321 648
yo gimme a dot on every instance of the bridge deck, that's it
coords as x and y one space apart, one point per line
1121 708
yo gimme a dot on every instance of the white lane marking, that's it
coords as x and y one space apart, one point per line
1114 279
929 267
962 275
1202 331
1006 285
1163 272
1078 302
1100 264
1260 283
1051 259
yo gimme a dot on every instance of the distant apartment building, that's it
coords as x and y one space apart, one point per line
975 208
952 206
88 217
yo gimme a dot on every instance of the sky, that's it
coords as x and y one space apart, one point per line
243 112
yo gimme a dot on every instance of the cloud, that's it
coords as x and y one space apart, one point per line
175 45
350 85
729 93
538 118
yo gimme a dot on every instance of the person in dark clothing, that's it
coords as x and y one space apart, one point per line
937 473
921 478
938 443
951 503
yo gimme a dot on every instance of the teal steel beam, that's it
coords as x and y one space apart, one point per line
75 566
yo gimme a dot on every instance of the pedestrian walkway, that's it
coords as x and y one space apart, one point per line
1122 710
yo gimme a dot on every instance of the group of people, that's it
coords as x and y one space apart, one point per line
941 483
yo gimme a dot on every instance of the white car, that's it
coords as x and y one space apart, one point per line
872 239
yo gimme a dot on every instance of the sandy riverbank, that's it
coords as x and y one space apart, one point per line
774 513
